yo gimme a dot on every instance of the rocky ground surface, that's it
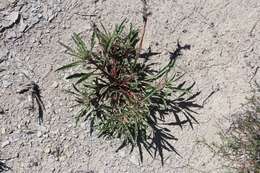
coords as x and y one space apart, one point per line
223 60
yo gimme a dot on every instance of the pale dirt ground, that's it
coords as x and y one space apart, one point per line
225 55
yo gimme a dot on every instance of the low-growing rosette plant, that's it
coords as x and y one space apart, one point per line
122 95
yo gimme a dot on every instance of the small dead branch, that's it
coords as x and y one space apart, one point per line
210 95
34 90
86 15
146 13
254 74
253 28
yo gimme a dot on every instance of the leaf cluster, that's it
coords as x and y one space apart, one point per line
122 95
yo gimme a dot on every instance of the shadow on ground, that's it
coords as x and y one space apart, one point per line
181 107
4 167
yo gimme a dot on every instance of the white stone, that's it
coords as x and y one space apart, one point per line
134 160
39 134
3 130
6 84
47 150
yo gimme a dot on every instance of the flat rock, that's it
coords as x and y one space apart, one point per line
6 83
3 4
9 20
13 17
5 143
11 35
3 54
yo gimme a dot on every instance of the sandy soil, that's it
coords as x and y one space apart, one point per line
224 59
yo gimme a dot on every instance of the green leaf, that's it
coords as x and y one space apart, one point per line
104 29
69 65
103 90
84 77
82 51
121 27
70 49
81 113
92 44
75 75
110 43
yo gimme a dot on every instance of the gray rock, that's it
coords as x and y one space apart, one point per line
9 21
11 35
13 18
6 83
3 55
5 143
47 150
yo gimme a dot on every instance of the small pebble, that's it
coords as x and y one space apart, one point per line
6 84
39 134
47 150
55 85
3 130
134 160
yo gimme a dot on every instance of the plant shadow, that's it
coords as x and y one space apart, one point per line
161 110
182 111
4 167
36 94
